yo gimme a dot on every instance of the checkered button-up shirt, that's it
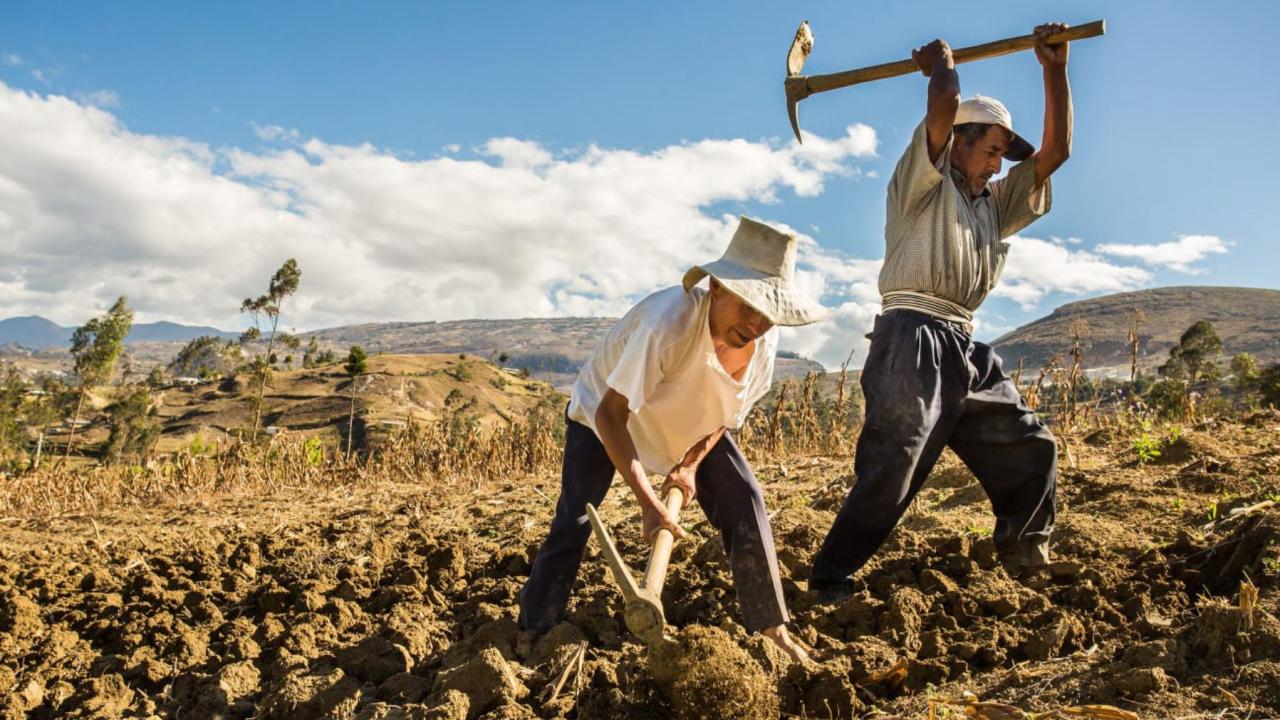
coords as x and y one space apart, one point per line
944 249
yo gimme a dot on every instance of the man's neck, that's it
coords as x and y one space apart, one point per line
966 187
734 360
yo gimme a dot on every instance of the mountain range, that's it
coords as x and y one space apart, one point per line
1247 320
37 333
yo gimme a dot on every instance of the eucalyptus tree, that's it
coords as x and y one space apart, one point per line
96 346
355 367
283 284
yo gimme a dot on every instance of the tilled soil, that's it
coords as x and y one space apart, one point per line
400 602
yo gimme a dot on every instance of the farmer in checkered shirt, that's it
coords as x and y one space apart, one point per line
927 383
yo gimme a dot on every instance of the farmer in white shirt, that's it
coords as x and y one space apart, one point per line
658 396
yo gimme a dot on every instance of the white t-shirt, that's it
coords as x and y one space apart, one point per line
661 358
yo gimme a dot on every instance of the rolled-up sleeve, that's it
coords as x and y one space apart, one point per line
1017 201
916 177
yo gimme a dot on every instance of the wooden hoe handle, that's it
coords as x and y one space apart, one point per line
656 574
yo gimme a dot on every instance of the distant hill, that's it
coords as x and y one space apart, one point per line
1247 320
37 333
550 349
165 331
316 401
33 332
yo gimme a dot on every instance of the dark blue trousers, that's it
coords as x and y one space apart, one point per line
927 386
727 491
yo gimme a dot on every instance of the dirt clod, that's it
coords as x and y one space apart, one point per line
1140 680
404 688
452 705
374 659
487 681
101 697
332 696
705 674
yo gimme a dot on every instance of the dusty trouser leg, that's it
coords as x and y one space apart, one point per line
914 381
1013 455
731 497
584 478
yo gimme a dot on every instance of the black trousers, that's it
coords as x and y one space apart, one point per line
727 491
927 386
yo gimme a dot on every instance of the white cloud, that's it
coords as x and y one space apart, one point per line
38 74
1035 268
90 210
1177 255
12 59
100 98
272 133
514 153
848 287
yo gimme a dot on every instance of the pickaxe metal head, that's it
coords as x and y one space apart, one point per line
644 617
797 85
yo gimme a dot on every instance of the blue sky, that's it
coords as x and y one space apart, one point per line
1173 112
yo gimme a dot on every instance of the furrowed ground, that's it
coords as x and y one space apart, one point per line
367 598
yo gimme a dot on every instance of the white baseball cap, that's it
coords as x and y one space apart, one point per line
990 111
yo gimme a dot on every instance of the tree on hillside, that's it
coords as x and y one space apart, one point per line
283 284
355 367
133 433
1194 357
126 369
310 353
155 378
52 402
202 357
314 357
1244 375
13 392
95 348
1269 386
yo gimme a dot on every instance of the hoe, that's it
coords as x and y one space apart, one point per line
643 612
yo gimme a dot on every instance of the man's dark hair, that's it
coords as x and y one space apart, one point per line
970 132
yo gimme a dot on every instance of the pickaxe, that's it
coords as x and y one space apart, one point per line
643 612
800 86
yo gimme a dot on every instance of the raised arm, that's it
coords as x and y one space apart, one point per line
936 63
1055 147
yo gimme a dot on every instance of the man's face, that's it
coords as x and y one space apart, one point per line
981 160
734 322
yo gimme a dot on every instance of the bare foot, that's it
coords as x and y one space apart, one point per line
780 637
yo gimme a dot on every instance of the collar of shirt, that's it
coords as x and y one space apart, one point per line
962 184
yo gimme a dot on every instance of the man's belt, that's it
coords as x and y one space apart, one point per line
930 305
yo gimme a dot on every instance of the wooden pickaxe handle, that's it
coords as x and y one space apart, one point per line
655 576
823 83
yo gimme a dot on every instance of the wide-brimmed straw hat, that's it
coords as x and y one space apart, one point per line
990 111
759 266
